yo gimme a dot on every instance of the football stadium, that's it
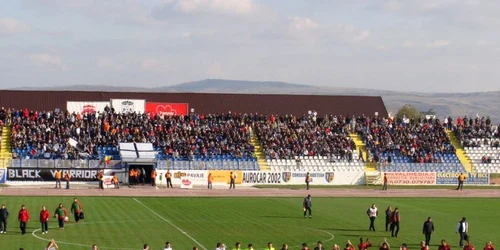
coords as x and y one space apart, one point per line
115 152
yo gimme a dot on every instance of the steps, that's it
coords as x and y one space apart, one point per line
360 145
460 152
373 178
259 154
6 148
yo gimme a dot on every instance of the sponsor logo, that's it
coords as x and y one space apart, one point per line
88 109
77 174
286 176
329 176
179 175
127 107
166 110
24 174
186 182
108 180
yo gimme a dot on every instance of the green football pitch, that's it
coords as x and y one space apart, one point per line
128 223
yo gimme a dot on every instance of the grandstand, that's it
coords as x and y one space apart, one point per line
481 141
285 140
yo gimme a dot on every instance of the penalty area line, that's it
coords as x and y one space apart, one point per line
171 224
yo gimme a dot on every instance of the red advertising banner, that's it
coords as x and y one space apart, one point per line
166 108
411 178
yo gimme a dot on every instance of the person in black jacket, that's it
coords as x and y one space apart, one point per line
388 216
307 204
4 214
427 230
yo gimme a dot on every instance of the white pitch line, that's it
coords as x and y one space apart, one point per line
172 224
78 244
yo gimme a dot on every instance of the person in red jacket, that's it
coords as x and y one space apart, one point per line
468 246
23 217
44 218
444 246
364 245
489 246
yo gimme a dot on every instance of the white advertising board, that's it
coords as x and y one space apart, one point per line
86 107
128 105
296 178
195 177
107 181
186 183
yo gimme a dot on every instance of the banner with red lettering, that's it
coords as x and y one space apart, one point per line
166 108
411 178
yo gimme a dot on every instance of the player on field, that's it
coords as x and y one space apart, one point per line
61 215
307 205
76 208
4 214
23 217
372 213
44 219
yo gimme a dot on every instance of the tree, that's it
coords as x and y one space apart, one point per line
410 112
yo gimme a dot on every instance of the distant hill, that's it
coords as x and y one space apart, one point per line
444 104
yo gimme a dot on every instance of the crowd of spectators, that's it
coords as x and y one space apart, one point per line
46 134
421 141
287 136
477 132
38 134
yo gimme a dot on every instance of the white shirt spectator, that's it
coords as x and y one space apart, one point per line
372 211
465 227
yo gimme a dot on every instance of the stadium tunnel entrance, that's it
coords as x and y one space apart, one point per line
139 173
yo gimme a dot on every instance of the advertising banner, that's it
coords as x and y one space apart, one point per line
166 108
48 174
186 183
448 178
196 177
107 181
86 107
494 179
128 105
3 176
258 177
411 178
298 178
222 176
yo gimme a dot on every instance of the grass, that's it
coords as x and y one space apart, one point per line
124 223
450 187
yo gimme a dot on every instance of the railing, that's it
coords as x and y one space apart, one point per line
59 163
204 165
168 164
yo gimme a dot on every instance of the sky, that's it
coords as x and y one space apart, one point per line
401 45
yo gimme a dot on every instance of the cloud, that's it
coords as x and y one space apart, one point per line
408 44
215 70
11 26
157 66
238 7
108 63
349 33
44 59
439 43
300 24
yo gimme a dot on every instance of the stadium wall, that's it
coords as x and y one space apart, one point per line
45 176
205 103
